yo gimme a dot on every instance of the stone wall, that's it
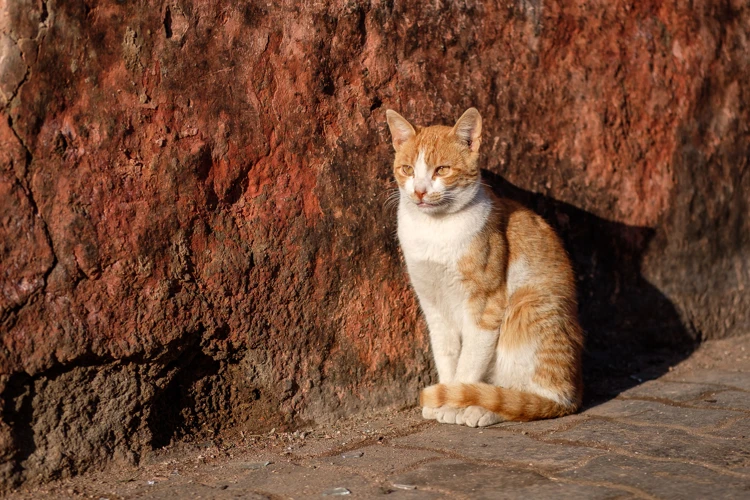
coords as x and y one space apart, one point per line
193 229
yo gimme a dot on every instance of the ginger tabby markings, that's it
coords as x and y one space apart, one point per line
493 280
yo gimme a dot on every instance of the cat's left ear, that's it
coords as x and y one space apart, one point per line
468 129
401 130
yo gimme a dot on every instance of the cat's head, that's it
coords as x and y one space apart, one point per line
436 167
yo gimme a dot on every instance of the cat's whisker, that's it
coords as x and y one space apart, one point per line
392 201
390 208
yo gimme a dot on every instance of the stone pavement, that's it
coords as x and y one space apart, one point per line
684 435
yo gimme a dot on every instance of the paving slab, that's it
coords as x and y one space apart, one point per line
729 399
671 391
737 431
496 445
459 479
721 378
306 481
542 427
656 413
661 479
658 442
377 460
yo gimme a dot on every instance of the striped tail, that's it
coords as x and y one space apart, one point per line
510 404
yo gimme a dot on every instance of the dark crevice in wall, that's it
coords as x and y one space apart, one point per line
45 13
172 409
17 412
168 23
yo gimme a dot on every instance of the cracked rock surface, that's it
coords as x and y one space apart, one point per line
194 234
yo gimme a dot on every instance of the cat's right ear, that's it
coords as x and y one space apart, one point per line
468 129
401 130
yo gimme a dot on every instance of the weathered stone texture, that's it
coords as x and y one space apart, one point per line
192 197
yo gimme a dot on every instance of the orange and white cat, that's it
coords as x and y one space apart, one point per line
493 280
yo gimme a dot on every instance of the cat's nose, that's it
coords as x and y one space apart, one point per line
420 194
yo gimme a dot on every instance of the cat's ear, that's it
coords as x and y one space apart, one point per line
468 128
401 130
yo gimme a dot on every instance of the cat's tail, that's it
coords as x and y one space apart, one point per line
510 404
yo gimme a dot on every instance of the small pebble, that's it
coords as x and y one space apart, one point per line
336 492
256 465
353 454
405 486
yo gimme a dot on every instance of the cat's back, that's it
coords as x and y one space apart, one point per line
535 251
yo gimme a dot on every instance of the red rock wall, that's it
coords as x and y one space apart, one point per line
193 230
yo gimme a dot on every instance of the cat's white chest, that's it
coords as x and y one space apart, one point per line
438 242
442 240
433 247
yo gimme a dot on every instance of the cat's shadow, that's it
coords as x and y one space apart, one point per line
633 331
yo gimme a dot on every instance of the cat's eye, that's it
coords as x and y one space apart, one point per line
407 170
444 170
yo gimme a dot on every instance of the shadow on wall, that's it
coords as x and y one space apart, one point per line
633 332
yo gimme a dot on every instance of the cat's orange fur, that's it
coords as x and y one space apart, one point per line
533 312
545 314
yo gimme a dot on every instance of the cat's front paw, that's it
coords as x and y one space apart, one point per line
446 414
429 413
476 416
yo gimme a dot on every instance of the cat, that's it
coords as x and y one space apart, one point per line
493 280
